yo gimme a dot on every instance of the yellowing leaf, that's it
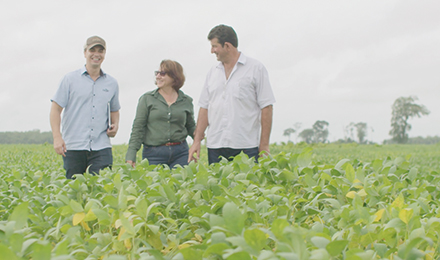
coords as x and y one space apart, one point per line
85 226
350 194
90 216
406 214
317 219
78 217
379 214
121 233
430 253
127 243
118 223
198 237
182 246
398 202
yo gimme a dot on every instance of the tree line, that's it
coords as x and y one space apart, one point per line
28 137
403 109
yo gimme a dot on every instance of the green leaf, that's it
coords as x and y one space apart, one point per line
341 163
336 247
234 219
76 207
171 194
157 254
305 158
20 215
216 249
320 254
191 253
6 253
42 251
320 242
239 256
255 238
349 172
153 239
278 226
112 201
102 215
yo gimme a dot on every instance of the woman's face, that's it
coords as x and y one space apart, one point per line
163 79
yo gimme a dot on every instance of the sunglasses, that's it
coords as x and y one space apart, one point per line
162 73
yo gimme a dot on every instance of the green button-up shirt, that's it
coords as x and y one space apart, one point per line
156 123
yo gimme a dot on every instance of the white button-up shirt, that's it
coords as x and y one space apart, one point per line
234 105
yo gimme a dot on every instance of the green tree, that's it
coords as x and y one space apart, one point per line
307 135
361 131
404 108
288 132
320 129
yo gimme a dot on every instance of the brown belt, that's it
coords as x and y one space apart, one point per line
171 144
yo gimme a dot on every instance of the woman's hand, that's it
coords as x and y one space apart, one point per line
133 164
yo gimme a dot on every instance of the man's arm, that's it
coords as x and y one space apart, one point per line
202 124
55 124
111 132
266 127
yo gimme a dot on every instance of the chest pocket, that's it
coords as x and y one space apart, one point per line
245 89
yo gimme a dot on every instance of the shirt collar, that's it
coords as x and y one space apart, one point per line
241 59
155 93
84 71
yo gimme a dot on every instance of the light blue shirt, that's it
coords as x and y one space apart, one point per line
85 113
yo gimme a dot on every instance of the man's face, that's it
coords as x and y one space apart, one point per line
95 56
218 49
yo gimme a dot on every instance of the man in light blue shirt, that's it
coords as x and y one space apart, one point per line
90 101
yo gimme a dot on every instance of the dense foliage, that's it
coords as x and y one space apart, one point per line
28 137
325 202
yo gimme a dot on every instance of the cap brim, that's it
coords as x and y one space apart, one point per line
96 44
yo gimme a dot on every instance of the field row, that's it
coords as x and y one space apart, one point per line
301 203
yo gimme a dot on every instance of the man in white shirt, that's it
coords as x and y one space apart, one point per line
236 102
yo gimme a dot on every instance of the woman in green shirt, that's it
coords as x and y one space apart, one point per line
164 118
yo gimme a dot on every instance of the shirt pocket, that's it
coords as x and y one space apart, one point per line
245 89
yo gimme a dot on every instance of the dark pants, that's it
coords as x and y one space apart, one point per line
78 161
169 155
229 153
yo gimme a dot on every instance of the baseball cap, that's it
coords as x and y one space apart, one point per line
93 41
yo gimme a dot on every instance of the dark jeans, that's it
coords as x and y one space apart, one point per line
169 155
78 161
229 153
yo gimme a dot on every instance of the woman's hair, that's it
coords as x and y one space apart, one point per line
175 71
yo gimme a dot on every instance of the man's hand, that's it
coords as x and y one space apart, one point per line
112 130
265 149
195 148
59 146
133 164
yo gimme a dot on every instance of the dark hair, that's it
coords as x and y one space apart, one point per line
224 33
175 71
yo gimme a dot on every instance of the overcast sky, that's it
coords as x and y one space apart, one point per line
338 61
